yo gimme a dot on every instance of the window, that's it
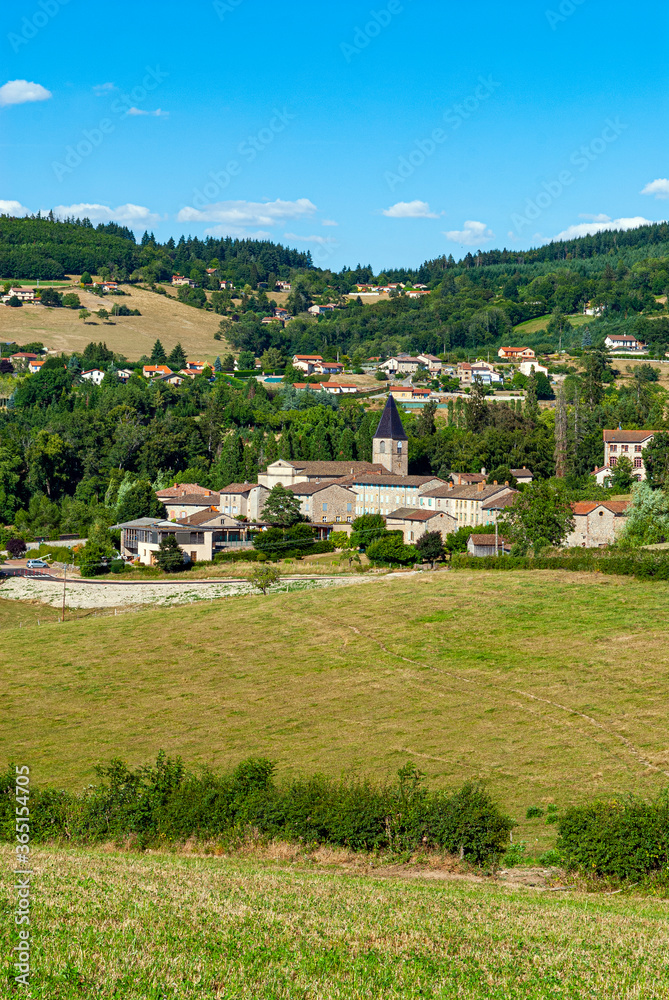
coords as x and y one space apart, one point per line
324 519
625 447
638 463
325 506
614 447
637 447
399 447
349 506
382 447
613 461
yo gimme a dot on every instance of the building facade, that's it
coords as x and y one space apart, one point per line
415 523
390 447
631 444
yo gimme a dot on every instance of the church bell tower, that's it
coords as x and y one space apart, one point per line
390 444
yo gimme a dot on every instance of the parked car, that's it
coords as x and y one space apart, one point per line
36 564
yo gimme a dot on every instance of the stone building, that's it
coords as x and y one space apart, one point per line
390 447
415 523
597 524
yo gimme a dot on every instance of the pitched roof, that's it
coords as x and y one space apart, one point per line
194 500
487 540
413 514
520 472
500 502
581 507
390 480
390 424
468 492
239 488
182 489
306 489
333 469
627 436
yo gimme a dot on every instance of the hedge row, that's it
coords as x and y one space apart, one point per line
626 838
644 565
167 803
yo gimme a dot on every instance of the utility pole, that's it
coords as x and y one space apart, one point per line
496 537
64 585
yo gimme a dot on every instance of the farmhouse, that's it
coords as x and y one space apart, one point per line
415 523
597 524
631 444
178 280
22 294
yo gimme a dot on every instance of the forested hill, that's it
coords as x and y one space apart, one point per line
50 248
46 248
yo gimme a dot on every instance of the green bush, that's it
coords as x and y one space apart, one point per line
240 555
627 838
165 802
641 564
534 811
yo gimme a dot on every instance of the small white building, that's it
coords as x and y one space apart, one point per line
22 294
621 342
94 375
527 367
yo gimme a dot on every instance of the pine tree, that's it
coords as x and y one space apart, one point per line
345 445
74 368
586 339
218 367
177 358
320 450
158 356
561 434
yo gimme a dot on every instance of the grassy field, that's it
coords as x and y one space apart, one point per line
541 322
162 318
549 686
175 927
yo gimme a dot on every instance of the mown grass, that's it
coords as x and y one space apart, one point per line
548 686
176 927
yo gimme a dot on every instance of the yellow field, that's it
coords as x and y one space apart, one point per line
162 318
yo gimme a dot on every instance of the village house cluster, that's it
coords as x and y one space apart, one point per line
332 494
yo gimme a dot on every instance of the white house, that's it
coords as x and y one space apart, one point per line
526 367
178 279
431 362
22 294
621 342
94 375
403 363
307 362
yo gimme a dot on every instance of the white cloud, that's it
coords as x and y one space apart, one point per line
590 228
239 231
129 214
410 210
158 113
659 187
13 208
249 213
594 218
22 92
473 234
309 239
99 89
329 222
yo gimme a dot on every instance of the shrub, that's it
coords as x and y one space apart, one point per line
627 838
534 811
165 802
241 555
16 547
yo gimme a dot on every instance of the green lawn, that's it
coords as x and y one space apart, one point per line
132 927
549 686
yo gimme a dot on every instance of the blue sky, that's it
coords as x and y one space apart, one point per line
384 134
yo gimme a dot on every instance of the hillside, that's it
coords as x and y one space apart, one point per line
162 317
466 675
131 926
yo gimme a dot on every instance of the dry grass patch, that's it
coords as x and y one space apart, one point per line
163 317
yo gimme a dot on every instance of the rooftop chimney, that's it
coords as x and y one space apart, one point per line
480 487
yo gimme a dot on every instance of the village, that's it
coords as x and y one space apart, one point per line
332 494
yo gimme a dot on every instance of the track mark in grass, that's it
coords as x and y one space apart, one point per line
629 746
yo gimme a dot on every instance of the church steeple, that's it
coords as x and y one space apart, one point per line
389 447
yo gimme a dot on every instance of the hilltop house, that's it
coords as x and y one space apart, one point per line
621 342
527 367
94 375
306 362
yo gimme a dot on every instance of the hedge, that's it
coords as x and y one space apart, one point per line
642 564
626 837
166 803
